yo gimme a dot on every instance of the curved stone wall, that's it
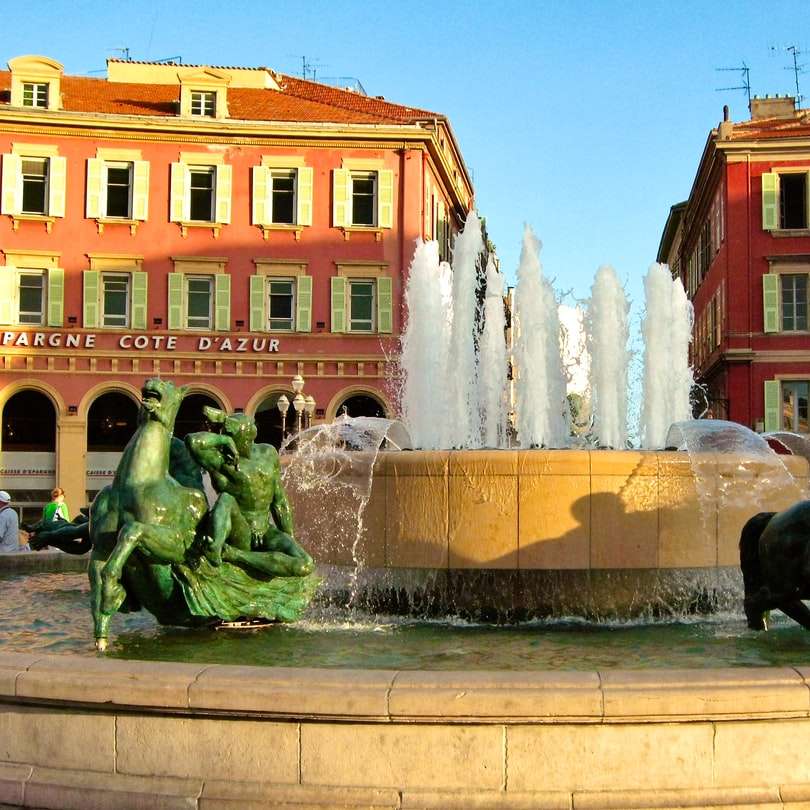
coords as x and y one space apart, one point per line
93 733
522 533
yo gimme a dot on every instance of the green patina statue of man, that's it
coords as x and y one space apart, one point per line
251 521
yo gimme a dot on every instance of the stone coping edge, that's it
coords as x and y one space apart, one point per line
388 696
23 785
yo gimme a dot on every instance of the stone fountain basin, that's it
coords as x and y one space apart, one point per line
506 533
97 733
79 733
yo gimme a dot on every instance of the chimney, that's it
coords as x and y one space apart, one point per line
773 107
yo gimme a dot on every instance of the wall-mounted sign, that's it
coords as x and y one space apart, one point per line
139 341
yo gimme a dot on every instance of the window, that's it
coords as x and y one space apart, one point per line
201 184
119 190
364 198
282 196
198 302
115 299
361 306
793 200
794 302
281 304
35 185
35 94
795 395
204 103
31 298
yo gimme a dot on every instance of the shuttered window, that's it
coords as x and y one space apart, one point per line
281 304
201 194
35 185
199 302
795 395
794 302
31 297
361 305
115 299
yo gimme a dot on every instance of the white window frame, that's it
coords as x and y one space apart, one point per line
114 276
293 305
271 175
118 164
47 185
43 314
806 304
349 315
783 384
187 277
355 174
39 94
210 170
202 100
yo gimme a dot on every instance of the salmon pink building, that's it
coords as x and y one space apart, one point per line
227 228
741 245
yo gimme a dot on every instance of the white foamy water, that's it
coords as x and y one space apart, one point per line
540 388
666 332
493 362
462 380
608 332
425 343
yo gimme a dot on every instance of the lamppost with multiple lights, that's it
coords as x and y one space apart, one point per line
303 405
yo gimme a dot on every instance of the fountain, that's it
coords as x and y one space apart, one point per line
620 564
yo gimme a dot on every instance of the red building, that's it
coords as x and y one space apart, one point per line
741 245
224 227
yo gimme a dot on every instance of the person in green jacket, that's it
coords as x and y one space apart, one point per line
57 508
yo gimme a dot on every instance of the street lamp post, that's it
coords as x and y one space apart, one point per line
283 406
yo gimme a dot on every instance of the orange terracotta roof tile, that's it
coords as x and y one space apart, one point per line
796 127
298 100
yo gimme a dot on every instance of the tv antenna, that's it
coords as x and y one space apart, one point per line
309 67
745 79
123 51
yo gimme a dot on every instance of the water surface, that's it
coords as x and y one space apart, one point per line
49 613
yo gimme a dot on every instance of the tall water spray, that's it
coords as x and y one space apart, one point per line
608 332
425 342
493 362
463 422
541 405
666 331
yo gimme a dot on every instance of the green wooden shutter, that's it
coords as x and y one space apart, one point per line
11 197
222 302
770 302
175 302
140 190
773 401
304 196
180 205
139 299
224 181
258 285
338 304
385 315
57 178
8 290
770 201
341 207
56 296
303 304
385 198
91 298
96 188
260 188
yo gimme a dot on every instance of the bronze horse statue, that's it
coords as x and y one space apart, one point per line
775 563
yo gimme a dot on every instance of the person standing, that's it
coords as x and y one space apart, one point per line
9 526
57 508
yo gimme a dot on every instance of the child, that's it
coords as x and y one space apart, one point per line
57 508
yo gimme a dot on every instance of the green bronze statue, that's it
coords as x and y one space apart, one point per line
155 545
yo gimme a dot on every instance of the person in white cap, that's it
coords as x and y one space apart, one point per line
9 526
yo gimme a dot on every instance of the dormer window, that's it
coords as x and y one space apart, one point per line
204 103
35 82
204 93
35 94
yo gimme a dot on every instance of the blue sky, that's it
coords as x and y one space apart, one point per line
585 119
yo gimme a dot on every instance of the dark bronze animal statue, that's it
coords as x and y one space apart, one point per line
775 563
